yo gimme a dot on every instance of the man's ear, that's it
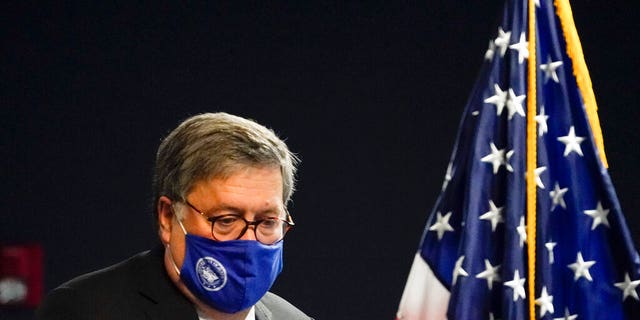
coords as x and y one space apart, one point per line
165 218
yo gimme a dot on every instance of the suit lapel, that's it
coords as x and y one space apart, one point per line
159 297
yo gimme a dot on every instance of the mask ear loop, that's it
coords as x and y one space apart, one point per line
179 222
169 248
175 267
182 226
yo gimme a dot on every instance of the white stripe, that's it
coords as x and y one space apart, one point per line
424 297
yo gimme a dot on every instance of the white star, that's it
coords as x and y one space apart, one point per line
557 197
581 268
550 245
507 165
567 315
545 302
490 273
522 48
537 2
541 119
499 99
502 41
599 216
498 158
514 104
538 172
458 271
550 70
572 142
494 215
522 232
442 224
491 51
448 176
628 287
517 284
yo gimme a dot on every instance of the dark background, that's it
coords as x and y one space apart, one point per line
369 94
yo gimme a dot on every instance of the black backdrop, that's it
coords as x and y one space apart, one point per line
368 93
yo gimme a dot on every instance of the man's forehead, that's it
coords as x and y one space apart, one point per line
231 171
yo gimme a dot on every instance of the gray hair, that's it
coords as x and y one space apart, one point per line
216 145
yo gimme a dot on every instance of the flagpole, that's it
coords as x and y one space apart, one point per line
531 158
580 71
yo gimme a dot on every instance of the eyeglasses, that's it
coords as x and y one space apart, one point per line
232 227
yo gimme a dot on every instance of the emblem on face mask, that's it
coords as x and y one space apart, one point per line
212 275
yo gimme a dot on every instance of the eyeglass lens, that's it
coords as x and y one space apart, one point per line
231 227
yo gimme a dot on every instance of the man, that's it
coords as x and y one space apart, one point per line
221 184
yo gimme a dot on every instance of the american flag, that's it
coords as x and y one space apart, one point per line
473 261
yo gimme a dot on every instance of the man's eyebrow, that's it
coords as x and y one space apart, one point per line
269 212
222 207
272 210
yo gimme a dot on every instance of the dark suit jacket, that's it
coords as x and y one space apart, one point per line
138 288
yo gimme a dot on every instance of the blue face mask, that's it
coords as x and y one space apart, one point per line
229 276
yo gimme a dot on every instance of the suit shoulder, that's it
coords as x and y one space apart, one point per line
110 276
85 294
281 308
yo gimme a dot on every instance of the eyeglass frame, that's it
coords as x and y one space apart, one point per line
288 223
